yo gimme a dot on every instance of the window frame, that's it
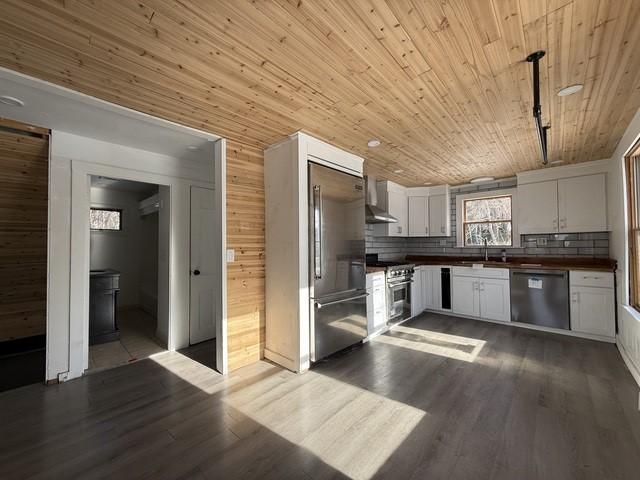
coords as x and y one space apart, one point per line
108 209
460 216
484 222
632 174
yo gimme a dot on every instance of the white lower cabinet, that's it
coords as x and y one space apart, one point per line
417 293
466 299
376 303
495 299
592 303
482 293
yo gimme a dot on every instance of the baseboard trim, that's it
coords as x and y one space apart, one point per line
280 360
22 345
635 371
568 333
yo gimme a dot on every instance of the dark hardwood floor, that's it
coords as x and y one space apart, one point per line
437 398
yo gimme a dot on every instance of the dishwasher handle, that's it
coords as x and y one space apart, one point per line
539 273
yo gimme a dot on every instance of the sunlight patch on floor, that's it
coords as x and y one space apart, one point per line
351 429
189 370
436 343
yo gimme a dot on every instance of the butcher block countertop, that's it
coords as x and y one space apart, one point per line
552 263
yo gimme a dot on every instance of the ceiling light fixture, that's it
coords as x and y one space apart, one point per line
570 90
11 101
398 171
557 162
482 179
193 147
374 142
428 183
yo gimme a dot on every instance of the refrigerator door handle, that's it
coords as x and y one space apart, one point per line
317 232
320 305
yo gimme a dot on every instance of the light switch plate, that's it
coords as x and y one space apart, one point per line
567 243
443 243
231 255
541 242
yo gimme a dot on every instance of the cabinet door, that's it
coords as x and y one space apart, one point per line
418 216
417 294
397 203
438 216
495 301
538 207
465 296
428 300
593 311
582 204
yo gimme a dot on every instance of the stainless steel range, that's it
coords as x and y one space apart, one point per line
399 277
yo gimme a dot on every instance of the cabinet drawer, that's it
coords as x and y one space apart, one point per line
591 279
488 272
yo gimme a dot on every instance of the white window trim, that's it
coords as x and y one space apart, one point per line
515 233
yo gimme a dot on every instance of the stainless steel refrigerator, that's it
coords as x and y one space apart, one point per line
338 309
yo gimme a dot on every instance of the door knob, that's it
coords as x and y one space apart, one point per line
196 272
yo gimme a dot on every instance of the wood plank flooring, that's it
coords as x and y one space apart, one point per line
439 397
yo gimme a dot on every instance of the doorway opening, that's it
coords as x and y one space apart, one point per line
128 269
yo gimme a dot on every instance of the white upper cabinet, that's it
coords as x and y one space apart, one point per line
582 204
567 199
429 211
418 216
538 207
439 224
393 199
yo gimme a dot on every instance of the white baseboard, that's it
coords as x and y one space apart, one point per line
635 371
559 331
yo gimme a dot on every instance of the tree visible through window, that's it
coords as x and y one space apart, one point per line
105 219
488 219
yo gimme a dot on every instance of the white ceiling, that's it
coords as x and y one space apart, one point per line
56 108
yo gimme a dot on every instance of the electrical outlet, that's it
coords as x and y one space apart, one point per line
231 255
567 243
541 242
443 243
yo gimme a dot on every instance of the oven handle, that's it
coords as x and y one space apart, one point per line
391 284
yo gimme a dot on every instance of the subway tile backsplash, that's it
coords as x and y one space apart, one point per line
556 245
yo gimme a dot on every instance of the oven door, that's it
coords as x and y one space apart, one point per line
399 300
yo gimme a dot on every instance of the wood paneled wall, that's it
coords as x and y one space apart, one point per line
23 233
245 234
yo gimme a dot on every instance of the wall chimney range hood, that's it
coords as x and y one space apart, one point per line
373 213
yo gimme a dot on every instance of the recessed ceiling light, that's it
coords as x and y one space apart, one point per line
428 183
374 142
482 179
398 171
11 101
556 162
571 89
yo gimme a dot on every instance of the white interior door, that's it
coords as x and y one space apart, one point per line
202 318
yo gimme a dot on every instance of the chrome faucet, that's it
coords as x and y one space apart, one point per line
486 251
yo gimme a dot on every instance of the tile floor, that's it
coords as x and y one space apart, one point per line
137 341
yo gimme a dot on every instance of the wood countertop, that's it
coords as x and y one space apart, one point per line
557 263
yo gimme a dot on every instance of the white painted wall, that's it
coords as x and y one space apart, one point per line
73 160
133 251
628 318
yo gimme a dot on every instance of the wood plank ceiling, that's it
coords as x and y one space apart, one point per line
441 83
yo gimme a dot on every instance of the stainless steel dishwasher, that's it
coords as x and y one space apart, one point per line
540 297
